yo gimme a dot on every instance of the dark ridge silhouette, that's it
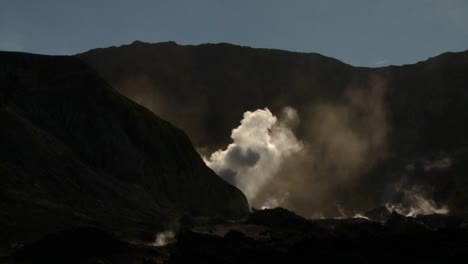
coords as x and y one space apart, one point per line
74 152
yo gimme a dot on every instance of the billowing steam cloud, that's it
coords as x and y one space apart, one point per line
329 168
260 146
321 174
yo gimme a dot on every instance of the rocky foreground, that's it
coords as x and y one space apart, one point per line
267 236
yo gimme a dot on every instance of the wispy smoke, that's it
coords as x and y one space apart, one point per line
275 201
416 203
260 146
437 164
179 108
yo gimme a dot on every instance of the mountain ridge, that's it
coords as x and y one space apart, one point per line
170 42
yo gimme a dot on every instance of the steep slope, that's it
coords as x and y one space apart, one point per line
396 117
75 152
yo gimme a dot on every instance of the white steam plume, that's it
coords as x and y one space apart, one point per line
260 145
342 140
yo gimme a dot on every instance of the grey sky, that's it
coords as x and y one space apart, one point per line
359 32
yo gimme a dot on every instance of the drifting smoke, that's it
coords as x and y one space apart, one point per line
343 142
437 164
260 146
415 203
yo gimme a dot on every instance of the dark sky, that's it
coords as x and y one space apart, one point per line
359 32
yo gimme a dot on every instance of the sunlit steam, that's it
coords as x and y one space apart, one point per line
343 140
260 145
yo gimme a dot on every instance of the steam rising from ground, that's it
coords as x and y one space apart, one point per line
343 141
321 173
415 203
260 146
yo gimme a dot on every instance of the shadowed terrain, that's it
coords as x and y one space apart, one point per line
272 236
74 152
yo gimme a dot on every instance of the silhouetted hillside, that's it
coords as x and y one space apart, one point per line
74 152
